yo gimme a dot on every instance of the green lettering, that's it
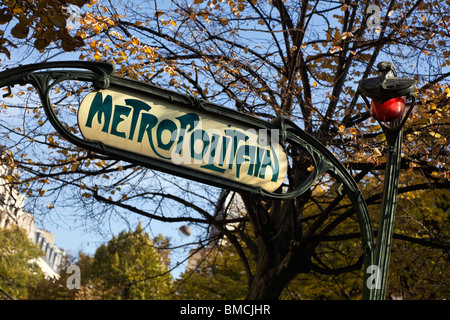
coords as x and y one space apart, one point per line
137 106
148 122
119 111
212 153
245 153
258 157
100 108
236 137
204 137
190 120
223 150
165 125
267 161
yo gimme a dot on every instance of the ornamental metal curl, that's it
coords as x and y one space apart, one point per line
45 76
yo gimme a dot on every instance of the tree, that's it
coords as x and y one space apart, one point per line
42 21
297 59
417 271
18 263
130 266
218 276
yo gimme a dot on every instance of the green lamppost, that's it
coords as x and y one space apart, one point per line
388 94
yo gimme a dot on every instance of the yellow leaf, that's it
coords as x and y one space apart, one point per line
335 49
435 134
97 29
223 21
18 10
353 130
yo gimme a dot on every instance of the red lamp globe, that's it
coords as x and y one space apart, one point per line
388 111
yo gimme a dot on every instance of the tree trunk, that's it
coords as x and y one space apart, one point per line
266 287
272 276
281 252
279 260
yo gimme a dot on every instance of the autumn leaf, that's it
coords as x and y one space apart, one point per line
20 31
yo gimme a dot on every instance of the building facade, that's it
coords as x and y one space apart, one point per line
12 213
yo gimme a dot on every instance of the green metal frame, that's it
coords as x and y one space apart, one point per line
44 76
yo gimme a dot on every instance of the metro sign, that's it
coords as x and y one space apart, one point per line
162 129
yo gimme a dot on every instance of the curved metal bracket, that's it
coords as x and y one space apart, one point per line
100 74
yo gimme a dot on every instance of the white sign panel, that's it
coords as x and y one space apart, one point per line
184 137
